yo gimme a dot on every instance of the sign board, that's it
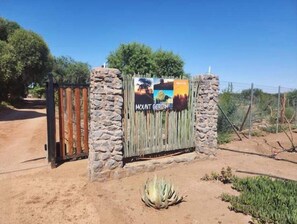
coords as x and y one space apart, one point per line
161 94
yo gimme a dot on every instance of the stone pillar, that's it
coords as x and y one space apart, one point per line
206 114
105 131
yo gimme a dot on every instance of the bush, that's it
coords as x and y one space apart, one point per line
224 137
290 113
37 91
228 105
267 200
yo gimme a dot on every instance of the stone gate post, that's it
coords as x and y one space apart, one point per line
206 114
105 131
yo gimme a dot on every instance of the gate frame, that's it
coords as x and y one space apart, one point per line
53 147
51 121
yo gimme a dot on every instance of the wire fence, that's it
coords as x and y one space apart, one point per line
253 110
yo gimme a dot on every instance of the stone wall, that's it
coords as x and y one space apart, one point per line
206 114
105 131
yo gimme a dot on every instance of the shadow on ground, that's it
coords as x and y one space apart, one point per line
11 115
29 103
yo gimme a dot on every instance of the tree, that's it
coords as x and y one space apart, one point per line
67 70
132 58
168 64
7 28
32 52
24 58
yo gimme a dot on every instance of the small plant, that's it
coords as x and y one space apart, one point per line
224 137
225 177
267 200
159 193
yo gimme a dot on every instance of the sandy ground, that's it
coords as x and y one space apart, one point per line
22 137
64 195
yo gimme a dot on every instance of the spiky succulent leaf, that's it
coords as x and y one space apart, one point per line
159 193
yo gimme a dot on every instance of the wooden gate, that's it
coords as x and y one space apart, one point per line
151 132
67 120
73 121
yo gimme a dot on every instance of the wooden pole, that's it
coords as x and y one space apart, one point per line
51 121
61 124
278 109
251 114
246 115
70 120
86 117
77 120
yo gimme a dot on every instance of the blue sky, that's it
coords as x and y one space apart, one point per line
243 40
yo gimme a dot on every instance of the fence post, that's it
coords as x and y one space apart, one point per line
251 111
278 109
206 114
51 123
295 106
106 130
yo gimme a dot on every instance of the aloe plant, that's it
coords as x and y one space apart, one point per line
159 193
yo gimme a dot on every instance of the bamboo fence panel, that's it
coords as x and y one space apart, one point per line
149 132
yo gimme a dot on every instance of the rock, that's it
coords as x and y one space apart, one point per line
97 165
105 156
111 164
118 157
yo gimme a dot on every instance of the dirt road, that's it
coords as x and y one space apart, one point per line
22 137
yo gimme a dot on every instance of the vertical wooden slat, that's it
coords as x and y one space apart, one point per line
147 130
150 145
132 117
161 132
126 121
77 120
70 120
61 124
86 117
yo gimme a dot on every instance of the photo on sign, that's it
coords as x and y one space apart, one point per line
163 94
143 91
163 84
181 94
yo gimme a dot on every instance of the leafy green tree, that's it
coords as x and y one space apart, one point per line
24 58
67 70
9 65
136 58
7 28
132 58
10 71
32 52
168 64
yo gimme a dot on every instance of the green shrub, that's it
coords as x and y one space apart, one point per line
290 113
224 137
228 105
37 91
267 200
